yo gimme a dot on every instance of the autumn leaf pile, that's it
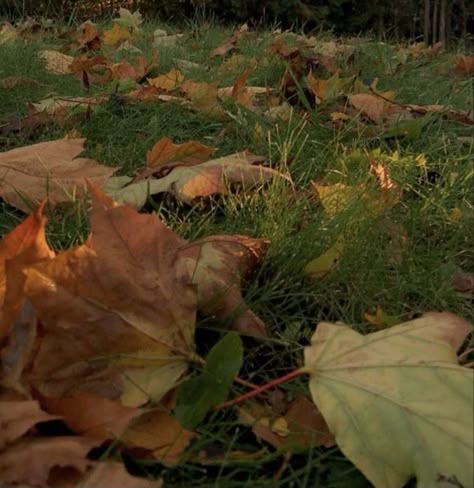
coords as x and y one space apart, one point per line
99 357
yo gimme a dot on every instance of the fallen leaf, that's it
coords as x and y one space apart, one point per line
463 282
464 65
107 330
129 20
169 81
161 39
230 43
88 36
204 98
374 107
18 418
41 455
218 264
14 81
48 170
159 432
381 319
110 474
56 62
25 245
319 267
381 394
166 155
202 180
91 415
8 33
116 35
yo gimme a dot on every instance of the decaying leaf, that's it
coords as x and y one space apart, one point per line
218 264
56 62
116 35
381 396
19 417
204 98
203 180
159 432
111 474
102 324
300 427
169 81
41 455
166 155
48 170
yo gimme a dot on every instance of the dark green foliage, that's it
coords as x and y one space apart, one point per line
197 395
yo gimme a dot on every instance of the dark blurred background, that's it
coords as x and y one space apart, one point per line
430 20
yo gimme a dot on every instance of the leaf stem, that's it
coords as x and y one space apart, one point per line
256 391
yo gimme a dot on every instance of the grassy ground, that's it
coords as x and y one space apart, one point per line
119 134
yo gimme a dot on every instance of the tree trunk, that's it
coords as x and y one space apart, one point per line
435 28
427 23
463 20
442 21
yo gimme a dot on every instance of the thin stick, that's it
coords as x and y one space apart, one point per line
282 379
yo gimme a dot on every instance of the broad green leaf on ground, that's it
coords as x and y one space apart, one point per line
397 402
56 62
186 183
117 312
49 170
198 395
218 265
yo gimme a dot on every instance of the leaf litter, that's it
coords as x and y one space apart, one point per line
100 337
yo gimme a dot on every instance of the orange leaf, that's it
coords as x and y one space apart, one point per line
166 154
116 35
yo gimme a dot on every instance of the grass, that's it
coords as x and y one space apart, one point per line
120 133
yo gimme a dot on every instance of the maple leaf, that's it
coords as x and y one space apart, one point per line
117 35
48 170
117 311
129 20
381 395
23 246
169 81
203 180
88 36
231 43
165 155
204 98
91 69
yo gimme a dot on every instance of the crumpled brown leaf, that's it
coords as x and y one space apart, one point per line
111 306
